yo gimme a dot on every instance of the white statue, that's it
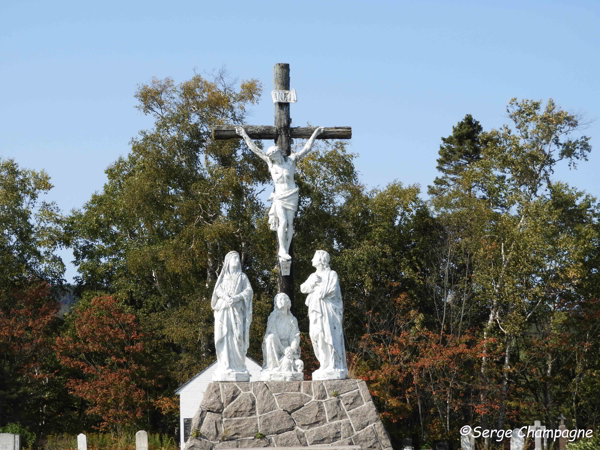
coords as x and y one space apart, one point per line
326 315
232 306
285 197
281 345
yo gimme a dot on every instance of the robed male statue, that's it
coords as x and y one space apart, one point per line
326 315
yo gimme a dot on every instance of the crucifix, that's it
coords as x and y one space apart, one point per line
282 165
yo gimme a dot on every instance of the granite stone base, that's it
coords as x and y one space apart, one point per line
278 376
287 414
231 376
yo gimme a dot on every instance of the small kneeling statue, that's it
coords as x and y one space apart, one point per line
281 346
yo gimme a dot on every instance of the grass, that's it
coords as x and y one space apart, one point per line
108 441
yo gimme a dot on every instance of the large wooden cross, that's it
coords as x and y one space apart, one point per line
283 134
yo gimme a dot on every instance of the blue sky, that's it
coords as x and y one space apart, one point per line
400 73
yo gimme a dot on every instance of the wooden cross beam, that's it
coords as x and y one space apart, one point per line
266 132
283 134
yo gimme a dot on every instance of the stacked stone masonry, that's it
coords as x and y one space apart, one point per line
287 414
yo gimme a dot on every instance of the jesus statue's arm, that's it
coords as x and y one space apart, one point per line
308 147
251 145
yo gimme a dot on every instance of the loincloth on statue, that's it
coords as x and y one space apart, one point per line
288 200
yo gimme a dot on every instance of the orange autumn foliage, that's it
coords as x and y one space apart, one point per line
25 328
107 352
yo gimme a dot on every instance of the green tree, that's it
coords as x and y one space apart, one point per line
459 150
31 228
30 276
171 210
525 239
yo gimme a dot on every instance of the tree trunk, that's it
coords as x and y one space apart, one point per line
505 375
483 372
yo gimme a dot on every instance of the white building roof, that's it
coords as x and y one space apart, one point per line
253 367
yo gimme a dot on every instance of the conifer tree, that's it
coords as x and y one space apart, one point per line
462 148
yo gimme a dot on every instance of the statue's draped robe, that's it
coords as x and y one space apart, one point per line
326 314
282 331
232 322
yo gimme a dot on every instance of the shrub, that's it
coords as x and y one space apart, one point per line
592 443
26 436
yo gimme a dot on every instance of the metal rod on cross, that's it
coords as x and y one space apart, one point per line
283 208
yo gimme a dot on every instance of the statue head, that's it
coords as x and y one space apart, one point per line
321 257
274 153
232 263
282 302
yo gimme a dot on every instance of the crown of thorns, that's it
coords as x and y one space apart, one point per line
272 150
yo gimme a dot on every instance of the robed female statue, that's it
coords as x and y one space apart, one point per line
232 306
281 344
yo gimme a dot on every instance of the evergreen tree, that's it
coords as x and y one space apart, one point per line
462 148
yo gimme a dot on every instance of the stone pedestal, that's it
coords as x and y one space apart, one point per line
279 376
287 414
231 376
329 374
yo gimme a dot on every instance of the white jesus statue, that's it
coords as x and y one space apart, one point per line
285 198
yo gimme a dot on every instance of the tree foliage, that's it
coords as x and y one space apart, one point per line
28 385
107 351
30 275
31 228
171 209
459 151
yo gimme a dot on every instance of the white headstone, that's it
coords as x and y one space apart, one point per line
141 440
326 315
517 440
9 441
81 442
467 442
232 307
281 344
539 429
